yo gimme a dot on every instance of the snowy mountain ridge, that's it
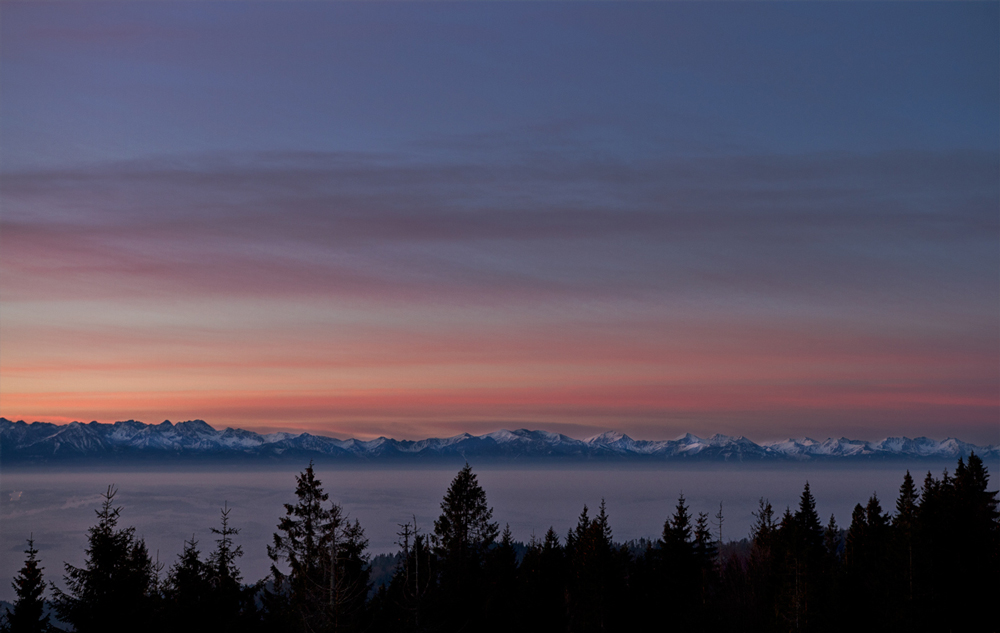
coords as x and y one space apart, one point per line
42 441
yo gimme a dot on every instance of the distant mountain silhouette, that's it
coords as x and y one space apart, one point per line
195 439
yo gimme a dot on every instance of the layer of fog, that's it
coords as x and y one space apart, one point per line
168 507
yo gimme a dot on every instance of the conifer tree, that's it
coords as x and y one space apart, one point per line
704 546
878 525
705 554
804 565
188 590
405 603
761 580
854 552
116 589
975 529
226 575
762 532
867 564
543 576
327 581
809 528
551 548
464 531
350 572
677 572
831 538
940 564
28 615
501 572
603 524
234 607
903 537
574 535
462 536
719 519
596 578
676 547
906 503
677 529
209 593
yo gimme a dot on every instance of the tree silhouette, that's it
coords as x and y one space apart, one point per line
222 561
804 566
705 558
543 577
233 604
765 555
116 588
831 538
405 603
187 592
502 586
28 615
678 567
327 582
809 528
464 530
597 574
677 529
975 524
462 536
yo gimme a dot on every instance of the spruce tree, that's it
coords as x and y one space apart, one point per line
222 561
234 607
763 530
462 535
677 573
543 578
404 604
878 526
761 585
28 615
704 546
502 576
677 529
676 547
464 531
188 590
831 538
903 536
596 574
906 503
975 528
805 566
327 582
810 530
116 589
705 556
854 552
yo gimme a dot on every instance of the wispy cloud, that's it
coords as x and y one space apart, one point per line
671 216
313 223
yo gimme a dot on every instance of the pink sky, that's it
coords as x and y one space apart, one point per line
405 221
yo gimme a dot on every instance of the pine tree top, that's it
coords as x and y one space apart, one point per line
466 518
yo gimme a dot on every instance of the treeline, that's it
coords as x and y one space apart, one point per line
931 565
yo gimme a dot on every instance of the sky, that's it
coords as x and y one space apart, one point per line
412 220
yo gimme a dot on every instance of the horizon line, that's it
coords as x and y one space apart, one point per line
297 432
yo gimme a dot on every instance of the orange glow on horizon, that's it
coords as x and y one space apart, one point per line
359 412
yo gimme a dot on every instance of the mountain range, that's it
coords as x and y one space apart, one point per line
21 442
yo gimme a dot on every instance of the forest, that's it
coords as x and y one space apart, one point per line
930 563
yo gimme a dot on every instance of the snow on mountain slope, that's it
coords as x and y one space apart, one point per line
44 441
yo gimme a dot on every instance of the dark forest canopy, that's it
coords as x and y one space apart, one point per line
929 561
